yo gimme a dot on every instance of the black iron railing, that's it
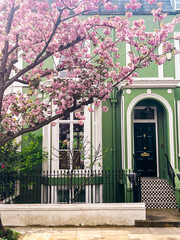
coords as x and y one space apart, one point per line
76 186
135 164
170 171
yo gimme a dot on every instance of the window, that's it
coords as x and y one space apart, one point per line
146 113
177 4
177 57
73 146
71 138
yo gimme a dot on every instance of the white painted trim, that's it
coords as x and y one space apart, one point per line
156 131
155 78
128 49
177 58
176 133
123 133
149 82
129 123
160 67
157 144
178 119
97 135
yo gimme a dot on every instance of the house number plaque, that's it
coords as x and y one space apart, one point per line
144 154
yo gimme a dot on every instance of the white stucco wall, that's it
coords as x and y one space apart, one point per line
113 214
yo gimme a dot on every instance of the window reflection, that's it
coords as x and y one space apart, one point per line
64 146
78 136
146 113
71 136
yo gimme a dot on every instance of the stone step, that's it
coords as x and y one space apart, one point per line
158 198
140 223
160 218
159 192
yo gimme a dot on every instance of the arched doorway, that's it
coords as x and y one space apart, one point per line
154 119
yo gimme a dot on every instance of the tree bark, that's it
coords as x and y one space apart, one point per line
2 227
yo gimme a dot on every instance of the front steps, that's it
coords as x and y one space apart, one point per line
160 218
157 193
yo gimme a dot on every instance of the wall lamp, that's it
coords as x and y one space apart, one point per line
169 55
132 177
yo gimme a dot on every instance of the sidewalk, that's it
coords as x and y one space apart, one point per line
118 233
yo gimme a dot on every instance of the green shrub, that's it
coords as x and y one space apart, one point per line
23 156
10 235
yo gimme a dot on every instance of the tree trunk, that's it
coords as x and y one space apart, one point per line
2 227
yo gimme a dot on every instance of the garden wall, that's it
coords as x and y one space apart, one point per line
105 214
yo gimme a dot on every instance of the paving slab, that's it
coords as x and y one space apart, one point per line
162 231
135 230
119 233
141 236
169 237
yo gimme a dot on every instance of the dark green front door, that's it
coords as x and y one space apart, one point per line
145 149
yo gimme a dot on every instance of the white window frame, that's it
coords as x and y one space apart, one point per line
178 123
177 57
175 4
71 123
92 134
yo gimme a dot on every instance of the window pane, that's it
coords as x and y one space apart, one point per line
146 113
64 159
78 136
64 136
177 6
67 117
64 145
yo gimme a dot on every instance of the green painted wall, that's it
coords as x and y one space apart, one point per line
39 131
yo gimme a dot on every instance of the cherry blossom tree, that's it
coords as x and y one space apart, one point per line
80 45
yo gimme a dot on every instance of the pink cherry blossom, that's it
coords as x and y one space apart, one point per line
60 72
82 118
105 109
53 124
97 103
80 122
77 114
129 14
90 109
